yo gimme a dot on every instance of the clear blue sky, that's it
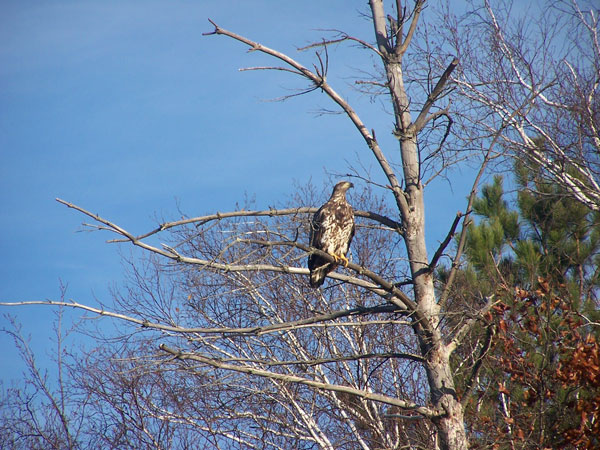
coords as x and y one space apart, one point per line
124 108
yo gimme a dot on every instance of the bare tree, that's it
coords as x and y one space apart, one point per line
42 413
537 80
229 346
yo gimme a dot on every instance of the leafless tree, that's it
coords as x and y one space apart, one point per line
228 346
537 80
42 413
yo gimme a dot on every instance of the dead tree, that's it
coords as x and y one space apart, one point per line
245 351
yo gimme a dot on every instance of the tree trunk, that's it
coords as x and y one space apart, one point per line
451 430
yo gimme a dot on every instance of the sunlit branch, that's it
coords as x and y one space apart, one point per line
427 412
398 297
202 220
283 69
318 361
343 37
255 331
321 82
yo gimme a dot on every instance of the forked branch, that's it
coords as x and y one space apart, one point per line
322 83
405 41
423 117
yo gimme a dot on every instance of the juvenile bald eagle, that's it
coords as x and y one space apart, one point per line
332 229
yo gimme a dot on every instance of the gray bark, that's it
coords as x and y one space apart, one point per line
451 431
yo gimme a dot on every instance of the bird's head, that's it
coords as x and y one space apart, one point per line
339 191
342 186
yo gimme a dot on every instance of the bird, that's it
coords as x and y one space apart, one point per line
331 231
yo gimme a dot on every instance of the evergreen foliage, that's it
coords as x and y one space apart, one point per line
536 382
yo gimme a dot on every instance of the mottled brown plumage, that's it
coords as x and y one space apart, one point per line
332 229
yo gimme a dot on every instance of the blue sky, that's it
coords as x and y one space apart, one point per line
125 109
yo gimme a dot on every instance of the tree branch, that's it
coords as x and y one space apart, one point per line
470 383
422 119
254 331
340 358
380 27
427 412
401 49
397 297
201 220
405 301
337 98
445 242
171 253
466 327
343 37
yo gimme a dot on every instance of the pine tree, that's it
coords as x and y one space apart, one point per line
534 368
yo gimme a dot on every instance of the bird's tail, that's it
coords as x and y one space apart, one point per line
317 276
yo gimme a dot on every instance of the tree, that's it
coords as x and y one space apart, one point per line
228 344
538 386
531 78
39 415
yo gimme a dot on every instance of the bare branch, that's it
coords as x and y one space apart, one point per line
283 69
201 220
399 298
371 83
401 49
470 383
380 27
334 359
423 117
427 412
255 331
343 37
380 289
337 98
445 242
